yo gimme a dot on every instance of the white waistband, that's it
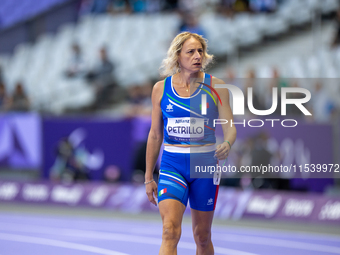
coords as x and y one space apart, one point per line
192 149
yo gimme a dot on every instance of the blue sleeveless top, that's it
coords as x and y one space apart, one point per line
185 122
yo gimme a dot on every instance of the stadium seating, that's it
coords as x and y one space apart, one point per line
137 44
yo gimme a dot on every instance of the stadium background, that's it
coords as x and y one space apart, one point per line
75 84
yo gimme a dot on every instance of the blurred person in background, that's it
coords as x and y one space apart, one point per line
68 166
336 37
190 24
153 6
321 104
94 6
251 82
170 5
146 104
1 75
232 79
101 77
292 109
275 82
262 5
100 6
183 68
76 66
3 97
262 154
19 101
225 7
139 100
240 6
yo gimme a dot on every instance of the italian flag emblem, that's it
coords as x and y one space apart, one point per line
162 192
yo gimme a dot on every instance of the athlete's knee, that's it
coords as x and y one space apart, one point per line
171 232
202 237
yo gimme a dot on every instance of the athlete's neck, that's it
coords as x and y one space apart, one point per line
188 78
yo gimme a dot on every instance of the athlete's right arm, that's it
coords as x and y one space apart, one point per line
155 140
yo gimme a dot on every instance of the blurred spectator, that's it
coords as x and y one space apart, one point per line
231 78
76 66
292 109
3 97
113 6
262 5
146 104
138 5
68 166
190 24
230 7
322 106
260 155
134 95
226 7
102 77
120 6
185 6
251 82
170 5
19 100
241 6
275 82
1 75
336 37
230 75
139 100
100 6
154 5
94 6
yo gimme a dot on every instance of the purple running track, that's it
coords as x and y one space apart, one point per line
27 234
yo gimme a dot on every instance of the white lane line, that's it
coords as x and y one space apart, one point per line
287 233
222 237
110 236
218 250
262 241
56 243
278 243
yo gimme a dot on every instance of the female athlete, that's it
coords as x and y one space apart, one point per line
184 106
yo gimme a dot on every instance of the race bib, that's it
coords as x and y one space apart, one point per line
185 129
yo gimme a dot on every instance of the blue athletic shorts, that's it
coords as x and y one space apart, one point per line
175 182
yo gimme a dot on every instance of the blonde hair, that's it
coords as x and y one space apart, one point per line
170 65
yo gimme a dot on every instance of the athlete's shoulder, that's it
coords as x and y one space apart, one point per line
159 86
215 81
157 91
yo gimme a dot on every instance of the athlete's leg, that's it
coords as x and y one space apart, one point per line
201 226
172 200
202 197
172 214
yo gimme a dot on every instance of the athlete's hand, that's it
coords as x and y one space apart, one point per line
151 191
222 151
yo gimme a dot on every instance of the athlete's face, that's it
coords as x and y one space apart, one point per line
190 57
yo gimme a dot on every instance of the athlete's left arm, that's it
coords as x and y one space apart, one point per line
225 113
